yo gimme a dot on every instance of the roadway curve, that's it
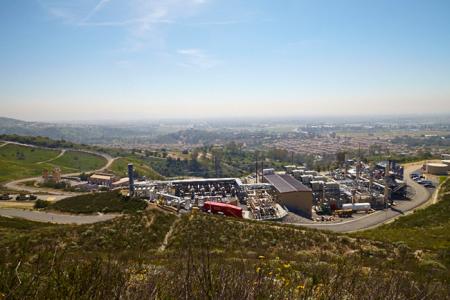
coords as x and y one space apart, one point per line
57 218
421 196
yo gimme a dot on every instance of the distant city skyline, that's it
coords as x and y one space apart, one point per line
136 59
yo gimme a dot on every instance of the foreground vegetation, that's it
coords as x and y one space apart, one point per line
105 202
154 254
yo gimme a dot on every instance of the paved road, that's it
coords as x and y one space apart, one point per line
40 216
420 197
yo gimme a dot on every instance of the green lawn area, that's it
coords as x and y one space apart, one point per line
79 161
98 202
120 168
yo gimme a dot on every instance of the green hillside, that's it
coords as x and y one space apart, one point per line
120 168
18 161
21 161
199 256
79 161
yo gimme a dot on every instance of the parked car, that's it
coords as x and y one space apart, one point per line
428 185
5 197
23 197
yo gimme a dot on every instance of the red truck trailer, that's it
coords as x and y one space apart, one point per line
226 209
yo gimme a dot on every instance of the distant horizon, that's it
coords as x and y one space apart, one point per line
287 118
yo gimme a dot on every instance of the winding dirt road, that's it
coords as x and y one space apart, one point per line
17 185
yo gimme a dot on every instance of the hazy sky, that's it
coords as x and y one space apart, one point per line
127 59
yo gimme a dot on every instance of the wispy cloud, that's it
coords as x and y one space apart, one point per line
97 8
197 58
142 19
140 13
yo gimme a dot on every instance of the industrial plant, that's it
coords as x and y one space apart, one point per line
268 194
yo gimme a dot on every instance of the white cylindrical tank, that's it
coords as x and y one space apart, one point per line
310 172
357 206
436 169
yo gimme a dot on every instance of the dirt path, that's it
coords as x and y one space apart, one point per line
54 158
168 236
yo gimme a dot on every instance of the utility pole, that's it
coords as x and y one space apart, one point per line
262 168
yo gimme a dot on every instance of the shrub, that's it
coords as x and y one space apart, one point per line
41 204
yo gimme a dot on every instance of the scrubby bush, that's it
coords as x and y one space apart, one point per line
41 204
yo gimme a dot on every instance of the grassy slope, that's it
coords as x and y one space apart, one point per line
79 161
99 202
427 229
21 161
120 167
207 257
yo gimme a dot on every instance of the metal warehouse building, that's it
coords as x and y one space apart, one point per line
291 193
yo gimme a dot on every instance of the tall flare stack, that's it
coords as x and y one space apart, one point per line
131 179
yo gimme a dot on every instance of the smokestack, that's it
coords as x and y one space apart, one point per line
131 179
386 182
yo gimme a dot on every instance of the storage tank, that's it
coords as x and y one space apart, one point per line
297 173
447 162
306 178
357 206
313 173
320 178
332 185
437 169
317 186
